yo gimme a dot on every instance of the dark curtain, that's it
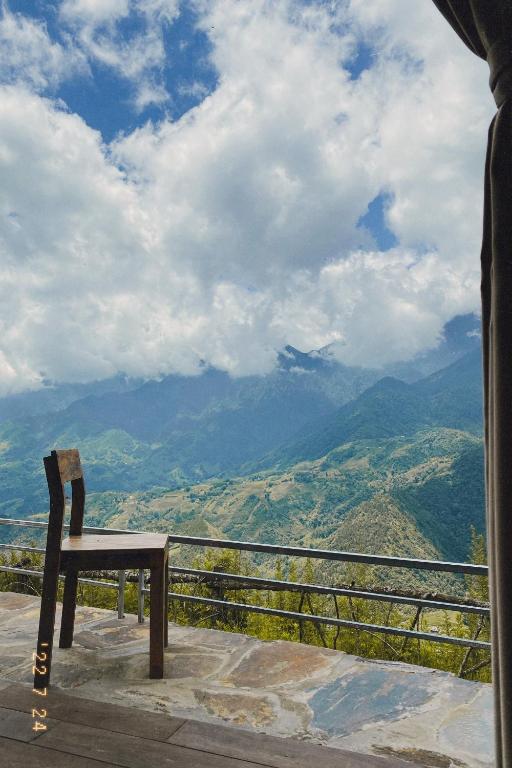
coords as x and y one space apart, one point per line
486 28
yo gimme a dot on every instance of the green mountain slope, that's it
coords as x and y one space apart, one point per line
451 397
314 453
416 496
177 430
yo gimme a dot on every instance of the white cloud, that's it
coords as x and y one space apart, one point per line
376 308
232 231
28 55
432 126
95 25
94 12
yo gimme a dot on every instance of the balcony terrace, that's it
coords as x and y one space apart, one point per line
229 700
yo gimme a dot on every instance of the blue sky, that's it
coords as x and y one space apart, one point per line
104 98
214 179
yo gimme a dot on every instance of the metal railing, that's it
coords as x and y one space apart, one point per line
248 582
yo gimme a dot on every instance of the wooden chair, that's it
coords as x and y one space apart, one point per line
92 552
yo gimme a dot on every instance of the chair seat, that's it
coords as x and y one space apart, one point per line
125 542
93 552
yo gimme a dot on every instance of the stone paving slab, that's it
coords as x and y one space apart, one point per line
278 688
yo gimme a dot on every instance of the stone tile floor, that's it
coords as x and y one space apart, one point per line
278 688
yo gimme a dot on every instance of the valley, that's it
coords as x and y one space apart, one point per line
314 454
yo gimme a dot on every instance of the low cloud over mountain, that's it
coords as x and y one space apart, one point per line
191 182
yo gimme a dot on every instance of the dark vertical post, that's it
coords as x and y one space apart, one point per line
166 599
156 617
77 507
67 623
51 574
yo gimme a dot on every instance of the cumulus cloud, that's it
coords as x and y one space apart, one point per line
28 55
139 56
435 107
233 231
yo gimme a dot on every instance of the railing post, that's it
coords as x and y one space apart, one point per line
120 594
140 598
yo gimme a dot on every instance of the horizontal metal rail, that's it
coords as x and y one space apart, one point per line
469 569
380 560
326 554
119 586
320 589
22 548
42 524
375 628
39 575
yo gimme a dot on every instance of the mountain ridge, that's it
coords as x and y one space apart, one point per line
346 436
392 407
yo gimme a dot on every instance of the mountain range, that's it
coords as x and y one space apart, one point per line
316 452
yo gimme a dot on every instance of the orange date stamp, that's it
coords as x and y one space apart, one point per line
39 714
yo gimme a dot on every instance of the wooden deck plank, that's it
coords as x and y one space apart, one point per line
108 734
130 751
16 754
19 725
271 750
110 717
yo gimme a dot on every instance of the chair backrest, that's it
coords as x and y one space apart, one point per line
62 467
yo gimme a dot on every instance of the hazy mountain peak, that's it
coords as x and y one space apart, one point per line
291 358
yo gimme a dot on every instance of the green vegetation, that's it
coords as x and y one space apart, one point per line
472 664
315 454
414 496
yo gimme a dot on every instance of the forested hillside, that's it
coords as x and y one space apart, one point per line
314 453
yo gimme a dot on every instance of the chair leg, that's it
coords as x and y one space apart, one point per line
166 603
156 621
67 623
43 660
